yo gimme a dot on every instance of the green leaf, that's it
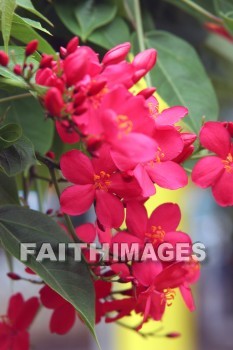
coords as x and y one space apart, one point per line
92 14
8 190
7 9
203 10
112 34
107 36
71 279
29 114
16 158
27 5
23 32
225 10
9 134
181 78
36 25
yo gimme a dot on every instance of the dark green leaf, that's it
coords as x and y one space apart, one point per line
181 79
203 10
16 158
29 114
9 134
71 279
108 36
8 190
36 25
7 8
23 32
225 11
27 5
112 34
92 14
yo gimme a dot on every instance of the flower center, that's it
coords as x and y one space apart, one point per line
153 109
125 125
228 163
157 234
159 155
102 181
168 296
96 100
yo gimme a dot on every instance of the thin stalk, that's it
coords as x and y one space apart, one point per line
203 11
140 33
67 218
15 97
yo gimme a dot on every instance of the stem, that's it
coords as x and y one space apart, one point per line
67 218
199 156
202 11
15 97
140 34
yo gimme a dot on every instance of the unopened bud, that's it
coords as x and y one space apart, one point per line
31 47
17 69
72 45
116 54
14 276
4 59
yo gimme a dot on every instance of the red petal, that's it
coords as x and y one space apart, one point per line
171 115
77 167
167 216
63 319
168 175
109 209
15 306
27 314
146 272
86 232
50 298
216 138
222 189
188 297
76 200
206 171
136 218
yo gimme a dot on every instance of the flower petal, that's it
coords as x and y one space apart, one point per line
168 175
77 167
86 232
172 115
109 209
206 171
167 216
146 272
77 199
222 189
215 137
136 218
63 319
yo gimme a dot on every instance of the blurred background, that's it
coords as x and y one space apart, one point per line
210 327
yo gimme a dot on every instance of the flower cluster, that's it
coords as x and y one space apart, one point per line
129 148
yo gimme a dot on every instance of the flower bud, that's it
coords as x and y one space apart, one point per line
145 60
31 47
72 45
54 102
173 335
116 54
146 93
17 69
4 59
14 276
46 61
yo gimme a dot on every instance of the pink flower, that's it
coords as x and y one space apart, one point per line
156 287
64 314
96 180
160 227
216 171
14 326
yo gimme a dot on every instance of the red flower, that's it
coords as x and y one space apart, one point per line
14 326
160 227
64 314
219 30
216 171
96 180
